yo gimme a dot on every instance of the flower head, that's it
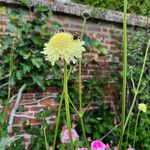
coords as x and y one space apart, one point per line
115 148
143 107
97 145
130 148
107 147
63 46
65 136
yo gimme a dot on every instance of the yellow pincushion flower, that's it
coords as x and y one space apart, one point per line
143 107
63 46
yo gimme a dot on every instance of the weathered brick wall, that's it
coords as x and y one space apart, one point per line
104 25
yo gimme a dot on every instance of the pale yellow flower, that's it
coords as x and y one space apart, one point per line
143 107
63 46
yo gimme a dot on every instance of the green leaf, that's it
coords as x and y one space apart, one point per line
26 68
11 27
88 41
2 9
19 74
38 62
39 80
56 26
26 2
103 51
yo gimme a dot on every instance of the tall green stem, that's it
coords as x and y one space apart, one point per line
138 86
67 104
58 114
124 72
80 88
58 120
135 129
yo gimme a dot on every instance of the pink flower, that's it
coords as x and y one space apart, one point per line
97 145
130 148
107 147
84 148
65 136
89 139
115 148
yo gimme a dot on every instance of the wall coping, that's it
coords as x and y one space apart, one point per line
96 13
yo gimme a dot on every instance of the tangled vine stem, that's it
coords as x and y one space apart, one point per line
124 73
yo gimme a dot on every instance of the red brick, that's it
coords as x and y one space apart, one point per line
47 102
2 23
35 108
111 42
33 121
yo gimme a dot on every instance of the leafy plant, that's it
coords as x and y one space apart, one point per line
140 7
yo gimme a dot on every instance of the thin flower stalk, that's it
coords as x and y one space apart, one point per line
67 104
80 87
124 73
135 129
58 114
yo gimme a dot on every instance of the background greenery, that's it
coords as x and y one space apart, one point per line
140 7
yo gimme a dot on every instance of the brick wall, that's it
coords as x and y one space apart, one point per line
104 25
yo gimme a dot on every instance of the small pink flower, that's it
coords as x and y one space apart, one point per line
107 147
97 145
65 136
115 148
50 148
84 148
130 148
89 139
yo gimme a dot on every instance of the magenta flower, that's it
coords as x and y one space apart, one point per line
83 148
115 148
130 148
107 147
65 136
97 145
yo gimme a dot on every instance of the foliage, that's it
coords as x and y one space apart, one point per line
137 44
30 36
140 7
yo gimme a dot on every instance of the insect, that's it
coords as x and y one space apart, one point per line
76 35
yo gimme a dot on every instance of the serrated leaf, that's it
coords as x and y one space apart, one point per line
19 74
39 80
38 62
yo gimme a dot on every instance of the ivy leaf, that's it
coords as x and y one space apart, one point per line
55 26
19 74
103 51
38 62
26 68
88 41
7 40
39 80
11 27
25 2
